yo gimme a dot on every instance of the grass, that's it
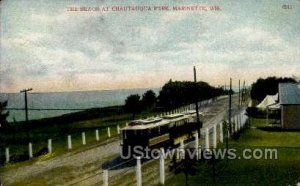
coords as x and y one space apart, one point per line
59 140
259 137
58 133
282 171
61 172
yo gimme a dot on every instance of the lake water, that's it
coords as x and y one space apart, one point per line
64 100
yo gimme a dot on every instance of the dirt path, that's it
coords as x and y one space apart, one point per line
77 160
78 165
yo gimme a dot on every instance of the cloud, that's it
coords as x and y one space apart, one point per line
170 17
256 37
76 51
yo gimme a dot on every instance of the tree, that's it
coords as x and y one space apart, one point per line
179 93
3 116
149 99
4 126
133 105
268 86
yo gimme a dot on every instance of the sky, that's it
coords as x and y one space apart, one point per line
47 48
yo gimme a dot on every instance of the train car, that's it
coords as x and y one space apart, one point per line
158 132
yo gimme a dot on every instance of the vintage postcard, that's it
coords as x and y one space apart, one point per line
149 92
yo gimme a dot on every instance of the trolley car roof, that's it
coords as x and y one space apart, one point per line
158 121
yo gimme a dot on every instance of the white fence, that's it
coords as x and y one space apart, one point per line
69 143
213 133
110 175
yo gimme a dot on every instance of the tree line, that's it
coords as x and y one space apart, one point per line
268 86
173 94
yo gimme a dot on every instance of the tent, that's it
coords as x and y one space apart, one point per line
275 106
276 97
268 101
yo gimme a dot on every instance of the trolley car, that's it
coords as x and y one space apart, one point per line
158 132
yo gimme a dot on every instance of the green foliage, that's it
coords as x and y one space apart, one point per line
282 171
172 95
133 104
149 100
268 86
179 93
3 116
4 125
187 166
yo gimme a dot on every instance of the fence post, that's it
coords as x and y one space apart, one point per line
97 135
162 167
238 124
83 138
227 129
181 144
182 149
221 132
138 172
7 155
105 177
30 150
215 136
207 138
234 127
197 145
49 146
118 129
69 142
108 132
240 121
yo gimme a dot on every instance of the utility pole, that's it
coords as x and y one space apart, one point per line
228 125
196 102
244 93
239 94
26 109
229 111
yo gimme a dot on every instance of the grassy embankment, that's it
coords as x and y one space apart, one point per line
58 128
58 133
285 170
